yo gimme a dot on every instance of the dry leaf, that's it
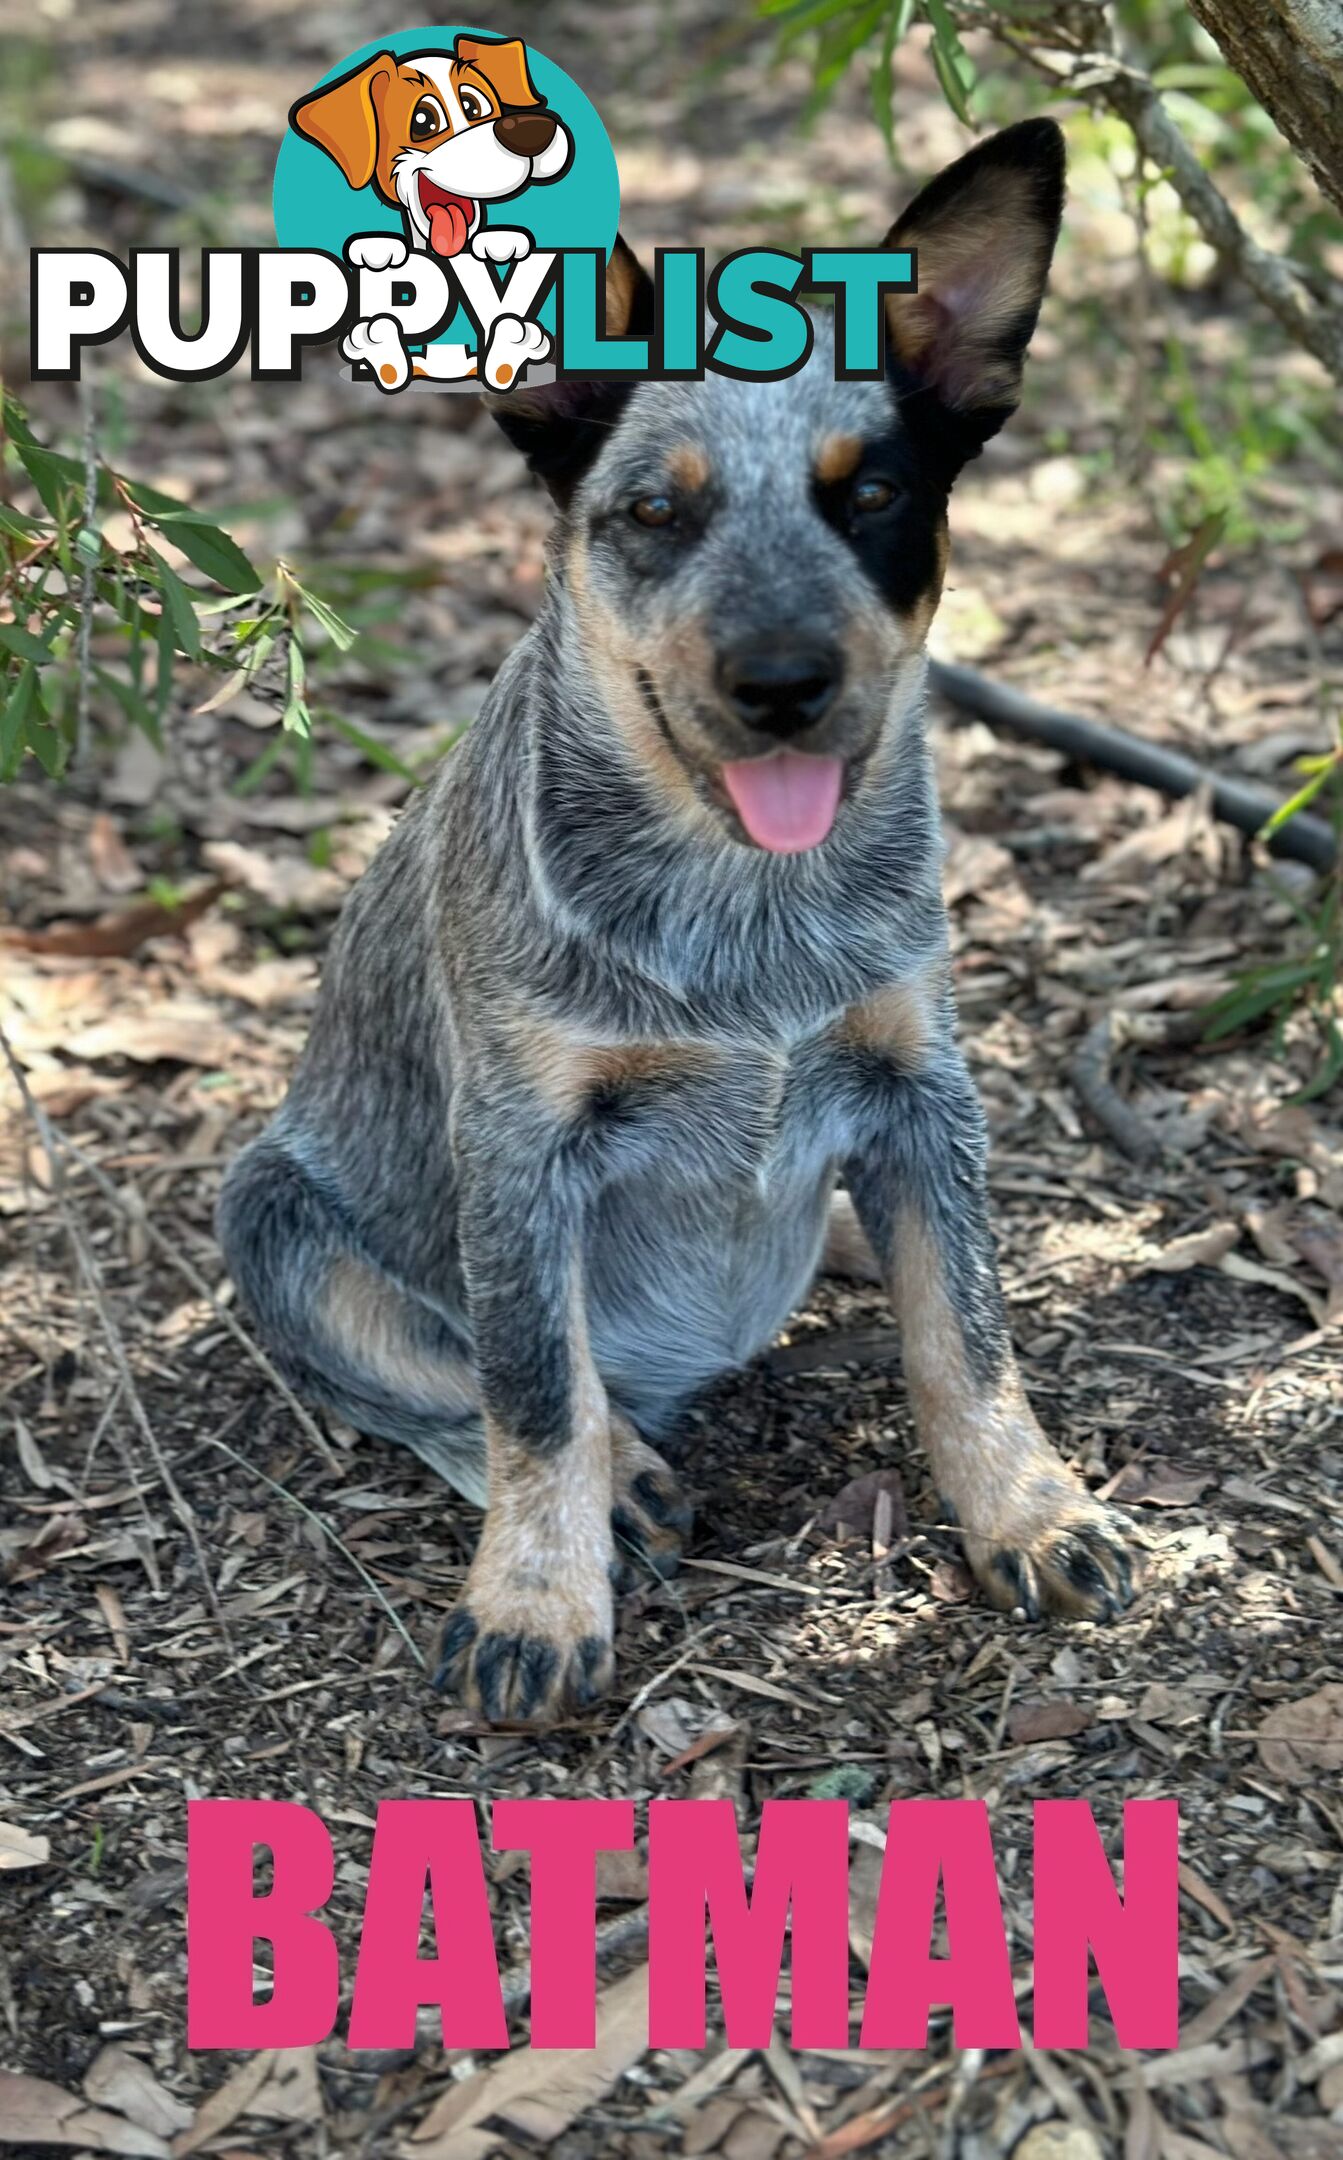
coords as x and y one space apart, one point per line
1204 1248
1059 2141
1243 1270
114 936
33 2112
974 865
1302 1742
540 2093
292 2091
117 2079
228 2101
22 1848
853 1511
114 866
178 1031
286 882
1156 1484
1048 1721
950 1583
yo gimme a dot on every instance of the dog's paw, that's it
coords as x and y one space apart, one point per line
501 243
650 1515
1071 1557
513 343
377 251
531 1661
378 343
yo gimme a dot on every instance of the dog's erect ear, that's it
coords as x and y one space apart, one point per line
984 231
503 63
342 118
559 427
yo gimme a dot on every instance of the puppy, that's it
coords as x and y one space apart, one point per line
658 960
439 135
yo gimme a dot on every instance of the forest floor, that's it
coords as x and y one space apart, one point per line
1178 1321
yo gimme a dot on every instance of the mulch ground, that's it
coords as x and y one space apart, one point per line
1178 1320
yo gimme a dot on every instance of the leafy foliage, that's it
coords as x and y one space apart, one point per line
1309 978
90 628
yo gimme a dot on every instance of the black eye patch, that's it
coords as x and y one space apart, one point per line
895 541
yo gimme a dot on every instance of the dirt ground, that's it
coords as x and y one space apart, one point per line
1178 1321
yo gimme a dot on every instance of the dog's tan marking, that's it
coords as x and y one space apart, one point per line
622 282
616 656
847 1251
837 458
363 1314
567 1072
504 371
897 1020
688 467
1011 1493
979 269
542 1569
917 620
387 371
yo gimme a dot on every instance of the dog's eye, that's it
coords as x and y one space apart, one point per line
653 510
473 105
427 119
873 495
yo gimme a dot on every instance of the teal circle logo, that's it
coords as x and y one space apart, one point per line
467 148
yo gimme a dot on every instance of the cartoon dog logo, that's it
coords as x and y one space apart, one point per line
440 136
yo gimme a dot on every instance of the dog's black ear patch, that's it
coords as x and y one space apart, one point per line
984 231
560 427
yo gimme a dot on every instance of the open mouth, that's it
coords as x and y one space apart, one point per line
450 216
787 801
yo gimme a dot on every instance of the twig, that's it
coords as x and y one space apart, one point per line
1090 1070
88 1268
1304 839
213 1440
134 1211
88 574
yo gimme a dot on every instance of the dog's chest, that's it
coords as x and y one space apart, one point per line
737 1117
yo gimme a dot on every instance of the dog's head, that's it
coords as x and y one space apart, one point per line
754 566
439 134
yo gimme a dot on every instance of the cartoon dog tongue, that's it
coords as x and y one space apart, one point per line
447 227
787 802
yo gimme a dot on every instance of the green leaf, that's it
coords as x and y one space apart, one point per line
296 718
1330 1068
178 608
1250 1001
336 628
249 781
130 698
20 527
1299 801
89 544
377 753
24 645
951 62
201 542
50 473
15 715
163 687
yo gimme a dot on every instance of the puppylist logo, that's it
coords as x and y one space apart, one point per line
446 206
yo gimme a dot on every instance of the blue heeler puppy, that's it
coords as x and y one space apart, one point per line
659 960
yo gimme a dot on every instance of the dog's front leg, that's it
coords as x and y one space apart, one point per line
1034 1536
531 1637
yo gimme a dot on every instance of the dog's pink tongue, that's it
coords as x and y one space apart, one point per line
447 228
786 802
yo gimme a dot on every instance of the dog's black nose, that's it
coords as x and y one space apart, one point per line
529 133
781 686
